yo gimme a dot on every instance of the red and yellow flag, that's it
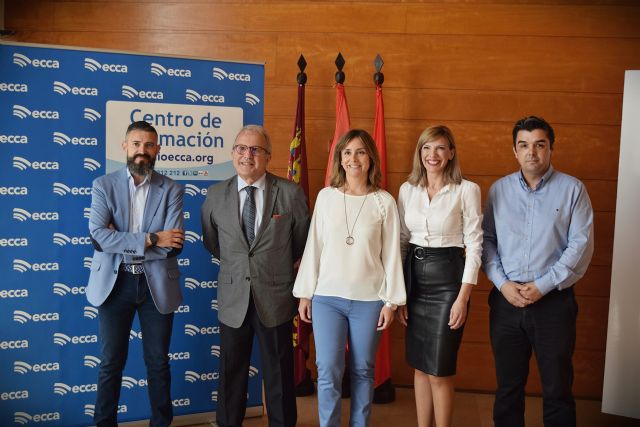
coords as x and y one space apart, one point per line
343 124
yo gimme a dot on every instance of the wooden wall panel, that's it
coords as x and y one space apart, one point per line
469 64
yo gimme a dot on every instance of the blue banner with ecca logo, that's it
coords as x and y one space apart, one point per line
63 114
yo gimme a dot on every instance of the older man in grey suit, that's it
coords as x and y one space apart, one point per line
136 229
256 224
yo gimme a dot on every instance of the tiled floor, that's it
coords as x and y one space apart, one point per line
471 410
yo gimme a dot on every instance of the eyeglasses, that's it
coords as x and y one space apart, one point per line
255 150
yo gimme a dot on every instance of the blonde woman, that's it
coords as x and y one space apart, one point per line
441 240
350 278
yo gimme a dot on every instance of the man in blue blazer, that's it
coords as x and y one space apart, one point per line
136 230
256 224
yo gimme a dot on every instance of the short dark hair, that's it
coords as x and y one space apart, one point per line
143 126
531 123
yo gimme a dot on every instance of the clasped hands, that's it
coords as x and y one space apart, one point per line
520 295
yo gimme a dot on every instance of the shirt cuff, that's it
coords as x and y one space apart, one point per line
544 284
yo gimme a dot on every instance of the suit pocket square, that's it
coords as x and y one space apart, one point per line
278 216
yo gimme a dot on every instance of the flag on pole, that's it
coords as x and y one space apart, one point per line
383 356
342 126
297 172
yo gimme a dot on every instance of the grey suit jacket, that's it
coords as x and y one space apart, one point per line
163 211
266 268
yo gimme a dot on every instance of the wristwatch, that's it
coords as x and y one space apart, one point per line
391 305
153 238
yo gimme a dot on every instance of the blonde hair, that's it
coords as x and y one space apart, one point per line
452 173
338 174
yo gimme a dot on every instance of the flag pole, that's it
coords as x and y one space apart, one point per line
297 172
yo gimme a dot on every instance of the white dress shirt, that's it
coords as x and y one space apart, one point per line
138 200
452 218
258 197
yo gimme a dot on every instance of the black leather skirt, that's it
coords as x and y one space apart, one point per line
436 277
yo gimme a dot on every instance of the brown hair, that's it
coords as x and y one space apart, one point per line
338 174
452 173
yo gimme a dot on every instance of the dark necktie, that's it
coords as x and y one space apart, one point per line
249 215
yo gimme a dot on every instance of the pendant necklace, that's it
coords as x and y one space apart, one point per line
350 240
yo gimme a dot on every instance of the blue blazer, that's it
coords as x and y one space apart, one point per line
163 211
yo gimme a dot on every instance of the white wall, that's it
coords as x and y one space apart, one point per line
621 391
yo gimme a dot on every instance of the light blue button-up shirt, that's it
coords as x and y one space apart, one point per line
542 235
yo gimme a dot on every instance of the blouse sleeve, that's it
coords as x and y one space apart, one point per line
393 289
472 232
308 272
405 234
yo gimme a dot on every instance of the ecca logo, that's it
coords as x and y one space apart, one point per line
14 241
23 112
23 164
63 339
220 74
26 418
62 289
159 70
64 89
23 266
14 395
13 87
23 215
63 139
14 139
14 191
93 65
62 190
24 61
193 376
194 96
24 317
22 368
193 330
61 239
130 92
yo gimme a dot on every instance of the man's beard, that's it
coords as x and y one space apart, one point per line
143 168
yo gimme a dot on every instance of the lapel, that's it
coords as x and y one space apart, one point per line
232 200
270 197
122 194
156 192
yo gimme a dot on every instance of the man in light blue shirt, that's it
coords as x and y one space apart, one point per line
538 242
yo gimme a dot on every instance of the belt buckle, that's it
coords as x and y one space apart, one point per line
419 253
134 268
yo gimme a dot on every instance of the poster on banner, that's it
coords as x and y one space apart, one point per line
63 115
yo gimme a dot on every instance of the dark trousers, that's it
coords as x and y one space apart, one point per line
548 327
130 295
276 353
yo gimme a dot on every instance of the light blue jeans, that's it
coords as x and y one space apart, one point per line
336 320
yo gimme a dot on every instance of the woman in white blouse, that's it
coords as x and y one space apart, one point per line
441 240
350 279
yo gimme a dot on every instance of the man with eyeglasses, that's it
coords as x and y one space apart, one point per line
256 224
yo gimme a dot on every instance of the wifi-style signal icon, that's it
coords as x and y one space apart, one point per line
21 112
191 330
192 95
89 409
215 260
191 283
61 88
61 289
90 312
21 214
91 114
214 396
91 64
86 262
21 265
214 304
61 239
191 236
86 213
21 316
61 339
158 69
91 361
21 367
129 92
191 376
129 382
61 388
251 99
133 335
91 164
215 350
21 417
60 138
219 73
253 371
20 59
61 189
21 163
191 190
